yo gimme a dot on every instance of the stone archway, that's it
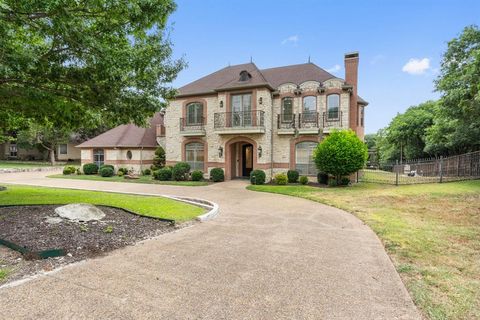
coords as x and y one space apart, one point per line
235 156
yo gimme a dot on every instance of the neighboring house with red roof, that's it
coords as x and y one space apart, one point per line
242 118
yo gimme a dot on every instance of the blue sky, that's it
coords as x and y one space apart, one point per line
388 34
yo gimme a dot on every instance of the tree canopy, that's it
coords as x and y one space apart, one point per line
81 63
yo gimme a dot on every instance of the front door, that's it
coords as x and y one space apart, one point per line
247 159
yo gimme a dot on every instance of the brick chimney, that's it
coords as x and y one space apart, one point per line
351 78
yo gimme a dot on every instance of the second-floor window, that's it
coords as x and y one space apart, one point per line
309 112
287 109
333 106
241 110
194 113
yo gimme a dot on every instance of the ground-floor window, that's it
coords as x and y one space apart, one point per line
13 150
98 157
194 155
304 158
62 148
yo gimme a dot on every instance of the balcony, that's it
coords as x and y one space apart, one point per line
239 122
332 121
308 123
192 129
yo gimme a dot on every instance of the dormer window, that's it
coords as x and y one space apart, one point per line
245 76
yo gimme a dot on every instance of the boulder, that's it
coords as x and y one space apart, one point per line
81 212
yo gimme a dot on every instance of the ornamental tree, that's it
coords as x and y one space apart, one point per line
341 153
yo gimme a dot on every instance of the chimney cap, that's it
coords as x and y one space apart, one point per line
351 55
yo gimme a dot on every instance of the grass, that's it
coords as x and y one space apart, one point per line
141 179
9 164
3 274
431 232
157 207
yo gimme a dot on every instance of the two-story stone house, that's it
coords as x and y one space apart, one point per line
242 118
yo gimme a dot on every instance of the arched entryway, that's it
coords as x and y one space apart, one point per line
240 157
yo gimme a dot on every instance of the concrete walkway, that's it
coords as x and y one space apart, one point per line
265 256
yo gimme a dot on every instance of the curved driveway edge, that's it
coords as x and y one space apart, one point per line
266 256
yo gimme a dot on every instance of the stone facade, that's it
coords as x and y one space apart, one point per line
118 157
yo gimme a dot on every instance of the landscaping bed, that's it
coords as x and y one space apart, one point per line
27 226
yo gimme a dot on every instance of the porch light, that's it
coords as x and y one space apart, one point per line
260 100
260 151
221 104
220 151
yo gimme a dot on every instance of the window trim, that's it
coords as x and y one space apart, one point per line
94 154
308 164
303 103
60 149
187 114
129 155
338 110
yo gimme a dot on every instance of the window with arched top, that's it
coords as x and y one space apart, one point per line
194 114
98 157
287 109
305 164
333 106
309 112
194 155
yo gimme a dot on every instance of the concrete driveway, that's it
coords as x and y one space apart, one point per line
265 257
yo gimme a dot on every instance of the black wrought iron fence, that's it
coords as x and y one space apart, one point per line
443 169
192 125
239 119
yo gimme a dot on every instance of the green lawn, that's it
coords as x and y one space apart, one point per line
6 164
3 273
431 232
142 179
144 205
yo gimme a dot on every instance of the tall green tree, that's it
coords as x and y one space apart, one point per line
69 63
456 126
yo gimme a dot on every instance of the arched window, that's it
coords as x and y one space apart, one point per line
287 109
304 158
333 106
194 155
194 114
98 157
309 113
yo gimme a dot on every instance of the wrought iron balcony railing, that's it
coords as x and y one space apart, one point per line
286 121
238 120
308 120
186 125
332 119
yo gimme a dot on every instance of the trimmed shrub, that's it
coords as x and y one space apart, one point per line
69 170
281 179
106 166
217 175
322 178
303 180
180 171
197 175
158 159
257 177
124 171
344 181
147 172
341 153
79 172
106 171
120 173
164 174
332 183
292 176
90 168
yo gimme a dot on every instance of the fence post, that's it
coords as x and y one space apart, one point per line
440 168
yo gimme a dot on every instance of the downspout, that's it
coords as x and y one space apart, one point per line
271 138
141 160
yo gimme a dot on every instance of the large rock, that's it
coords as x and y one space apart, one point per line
80 212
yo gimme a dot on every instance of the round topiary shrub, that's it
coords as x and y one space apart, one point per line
322 178
197 175
69 170
217 175
106 172
281 179
341 153
257 177
124 171
164 174
180 171
90 168
292 176
303 180
106 166
147 172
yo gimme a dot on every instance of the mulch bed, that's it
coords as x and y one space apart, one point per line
26 226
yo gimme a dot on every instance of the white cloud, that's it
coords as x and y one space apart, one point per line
334 69
292 39
416 66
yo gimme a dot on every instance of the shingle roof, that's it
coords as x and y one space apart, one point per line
127 135
229 77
